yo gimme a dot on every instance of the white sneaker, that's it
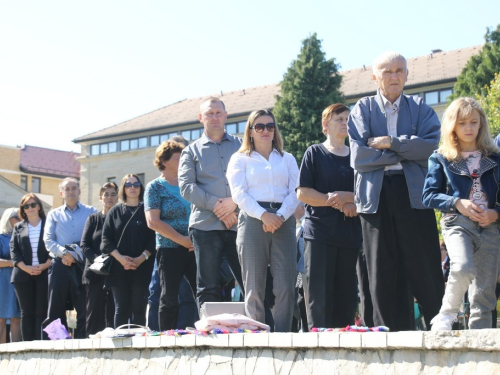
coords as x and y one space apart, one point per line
443 322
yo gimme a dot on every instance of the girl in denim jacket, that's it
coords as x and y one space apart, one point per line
463 182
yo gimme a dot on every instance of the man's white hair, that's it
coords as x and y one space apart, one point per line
64 182
385 58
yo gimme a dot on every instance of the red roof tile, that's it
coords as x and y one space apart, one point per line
49 162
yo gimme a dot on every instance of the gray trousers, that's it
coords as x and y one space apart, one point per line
473 255
258 249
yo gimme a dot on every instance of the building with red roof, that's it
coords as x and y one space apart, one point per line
34 169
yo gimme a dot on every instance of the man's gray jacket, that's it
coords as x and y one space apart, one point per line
418 130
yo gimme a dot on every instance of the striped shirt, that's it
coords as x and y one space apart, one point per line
34 234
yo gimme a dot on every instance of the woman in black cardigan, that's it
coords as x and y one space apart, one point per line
31 260
127 238
99 300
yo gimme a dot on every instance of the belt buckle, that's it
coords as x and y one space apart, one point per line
271 204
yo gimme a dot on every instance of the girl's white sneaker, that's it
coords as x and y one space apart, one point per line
443 322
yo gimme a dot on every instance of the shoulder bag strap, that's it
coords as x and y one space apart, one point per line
123 231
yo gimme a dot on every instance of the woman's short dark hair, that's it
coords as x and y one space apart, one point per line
336 109
25 199
165 151
121 192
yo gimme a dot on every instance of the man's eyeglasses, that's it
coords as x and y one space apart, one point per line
28 205
136 185
259 128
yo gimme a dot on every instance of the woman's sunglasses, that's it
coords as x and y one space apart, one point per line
28 205
259 128
128 185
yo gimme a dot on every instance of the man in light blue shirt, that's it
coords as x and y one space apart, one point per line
64 226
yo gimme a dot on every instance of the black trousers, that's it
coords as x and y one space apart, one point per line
130 302
401 247
32 297
100 306
365 298
329 284
61 291
402 301
173 264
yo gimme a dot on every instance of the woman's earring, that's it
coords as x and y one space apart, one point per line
251 139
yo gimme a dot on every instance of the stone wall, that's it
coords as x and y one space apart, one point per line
458 352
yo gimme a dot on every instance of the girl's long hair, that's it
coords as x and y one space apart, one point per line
462 108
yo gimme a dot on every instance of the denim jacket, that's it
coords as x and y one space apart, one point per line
446 182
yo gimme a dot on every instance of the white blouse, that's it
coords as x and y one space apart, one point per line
254 179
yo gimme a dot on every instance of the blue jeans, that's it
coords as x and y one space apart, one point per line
209 249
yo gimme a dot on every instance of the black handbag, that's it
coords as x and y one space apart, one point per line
102 263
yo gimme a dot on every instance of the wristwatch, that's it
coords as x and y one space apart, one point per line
282 217
145 255
65 251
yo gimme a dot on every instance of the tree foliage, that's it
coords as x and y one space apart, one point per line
491 105
310 84
480 70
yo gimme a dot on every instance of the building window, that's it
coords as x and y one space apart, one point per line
231 128
444 95
186 134
438 96
155 140
195 134
241 127
24 182
35 185
134 143
94 150
112 179
432 97
143 142
104 148
125 145
112 147
141 177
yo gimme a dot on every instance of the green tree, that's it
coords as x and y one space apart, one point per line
310 84
480 70
491 105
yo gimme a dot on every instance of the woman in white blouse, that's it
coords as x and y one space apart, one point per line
262 178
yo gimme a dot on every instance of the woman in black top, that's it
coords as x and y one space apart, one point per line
31 260
332 231
128 239
99 300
